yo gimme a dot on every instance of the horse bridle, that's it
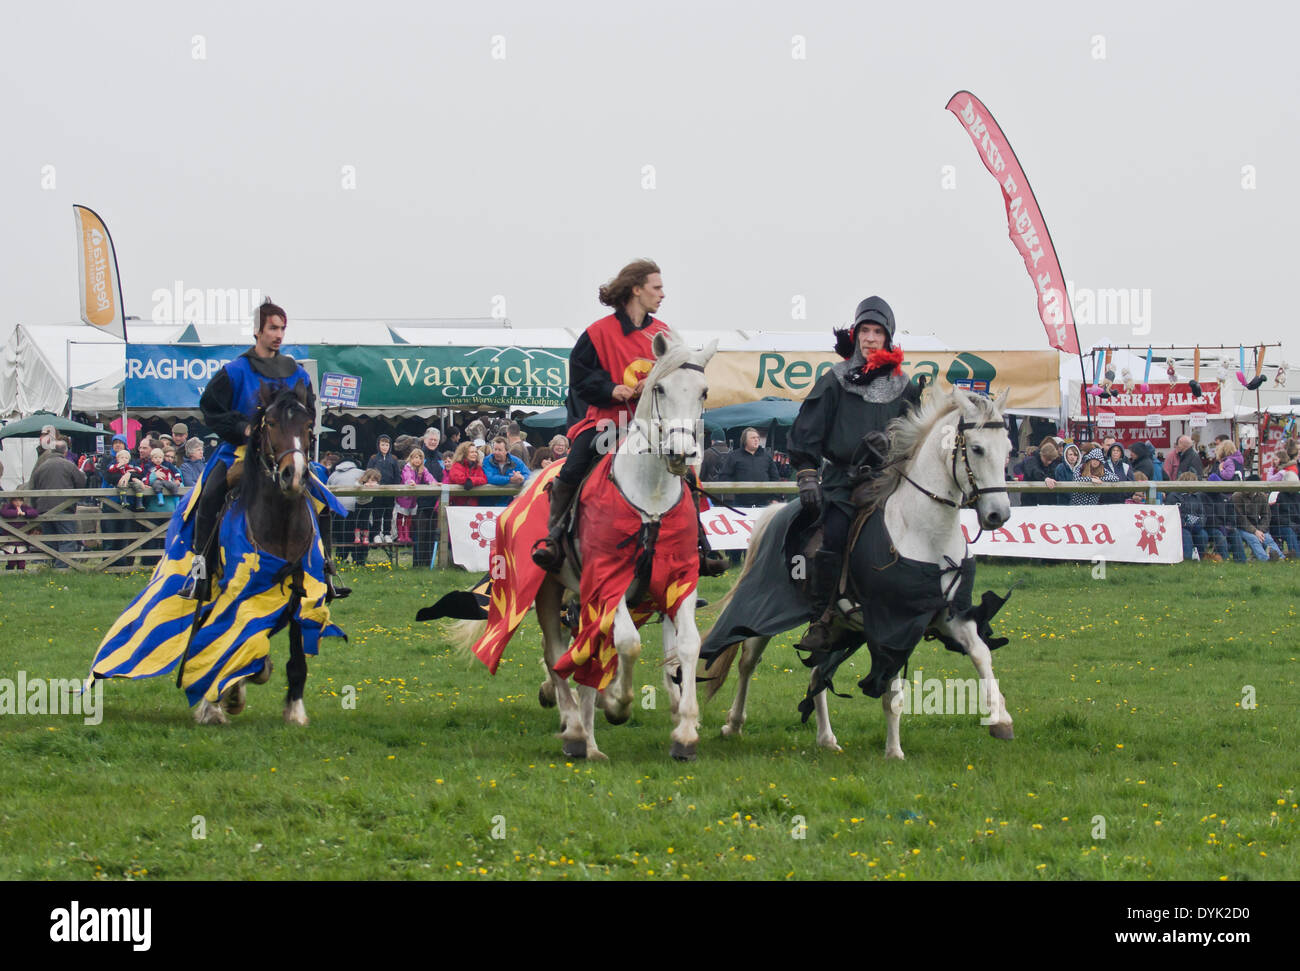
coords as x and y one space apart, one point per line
959 445
269 465
657 418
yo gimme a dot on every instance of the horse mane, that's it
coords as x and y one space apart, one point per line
908 432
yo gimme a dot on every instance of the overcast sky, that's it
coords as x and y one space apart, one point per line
213 139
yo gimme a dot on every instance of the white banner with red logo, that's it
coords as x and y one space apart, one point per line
1118 533
471 529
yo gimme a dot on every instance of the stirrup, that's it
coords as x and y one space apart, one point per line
548 553
334 589
817 640
197 585
713 564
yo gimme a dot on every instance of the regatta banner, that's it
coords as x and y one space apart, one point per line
1118 534
1163 400
1025 223
101 291
1032 377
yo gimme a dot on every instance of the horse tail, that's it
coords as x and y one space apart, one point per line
464 634
720 666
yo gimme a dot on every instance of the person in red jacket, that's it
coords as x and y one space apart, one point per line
466 470
607 370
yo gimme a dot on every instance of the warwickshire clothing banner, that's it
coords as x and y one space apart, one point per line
1032 376
1118 533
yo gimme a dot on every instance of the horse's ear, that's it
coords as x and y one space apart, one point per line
965 401
659 344
1000 402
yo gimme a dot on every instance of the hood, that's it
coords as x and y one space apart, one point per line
347 466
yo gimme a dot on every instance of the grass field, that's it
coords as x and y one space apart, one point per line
1129 695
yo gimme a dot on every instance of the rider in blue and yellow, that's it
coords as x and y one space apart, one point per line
229 406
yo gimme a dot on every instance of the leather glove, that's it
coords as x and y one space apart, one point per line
810 490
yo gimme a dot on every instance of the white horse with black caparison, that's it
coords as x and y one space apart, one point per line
949 453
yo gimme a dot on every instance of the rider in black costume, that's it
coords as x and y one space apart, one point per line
850 406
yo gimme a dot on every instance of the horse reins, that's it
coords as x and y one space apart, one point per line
959 445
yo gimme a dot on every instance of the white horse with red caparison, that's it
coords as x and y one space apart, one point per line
949 453
661 445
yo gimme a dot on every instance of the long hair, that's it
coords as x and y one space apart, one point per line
463 449
265 312
618 291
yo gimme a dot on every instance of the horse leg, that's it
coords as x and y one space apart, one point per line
825 737
751 652
554 640
687 733
992 705
627 641
587 705
206 713
892 703
233 699
295 713
672 668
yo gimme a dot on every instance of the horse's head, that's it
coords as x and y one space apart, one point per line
281 436
672 401
980 446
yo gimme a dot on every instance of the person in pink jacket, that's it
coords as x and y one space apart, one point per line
413 473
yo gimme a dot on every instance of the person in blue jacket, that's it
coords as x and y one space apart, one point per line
503 469
229 405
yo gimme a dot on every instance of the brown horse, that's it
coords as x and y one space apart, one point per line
269 488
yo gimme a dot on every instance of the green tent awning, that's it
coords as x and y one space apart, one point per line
30 427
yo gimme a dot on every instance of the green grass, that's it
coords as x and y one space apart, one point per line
1126 693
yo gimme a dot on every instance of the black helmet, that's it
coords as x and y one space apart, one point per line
874 310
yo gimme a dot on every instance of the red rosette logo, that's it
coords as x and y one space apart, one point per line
482 528
1151 529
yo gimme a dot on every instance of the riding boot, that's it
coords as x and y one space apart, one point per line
207 515
548 553
826 581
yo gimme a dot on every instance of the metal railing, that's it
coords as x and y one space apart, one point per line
136 537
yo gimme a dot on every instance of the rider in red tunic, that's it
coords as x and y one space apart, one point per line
607 370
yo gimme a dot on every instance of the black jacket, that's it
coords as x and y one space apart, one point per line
1145 461
739 466
831 423
1033 470
390 470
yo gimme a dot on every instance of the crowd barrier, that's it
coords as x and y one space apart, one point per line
115 537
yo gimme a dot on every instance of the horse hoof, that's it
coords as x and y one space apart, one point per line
682 753
1004 732
575 749
234 700
596 755
615 719
895 756
544 699
208 714
264 675
728 731
296 714
831 744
